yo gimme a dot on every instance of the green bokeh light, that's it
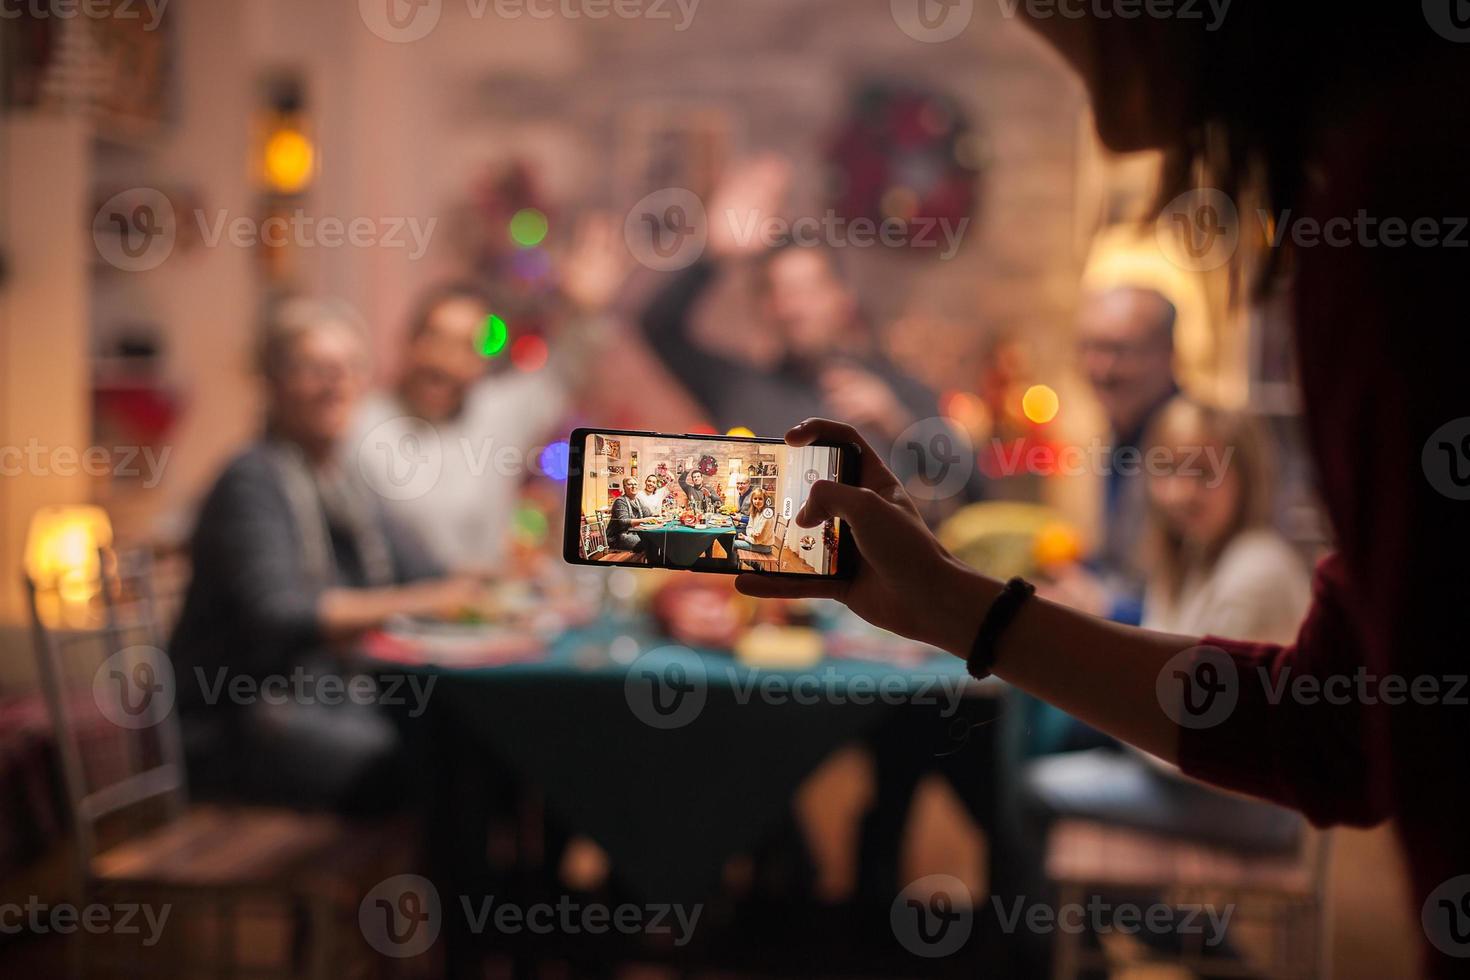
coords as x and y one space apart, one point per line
493 336
528 228
531 525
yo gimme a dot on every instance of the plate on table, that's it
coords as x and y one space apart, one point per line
445 643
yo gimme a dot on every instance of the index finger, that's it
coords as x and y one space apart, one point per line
873 473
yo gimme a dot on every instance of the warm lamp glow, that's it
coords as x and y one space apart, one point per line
61 550
289 159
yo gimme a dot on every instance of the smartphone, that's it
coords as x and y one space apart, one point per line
720 504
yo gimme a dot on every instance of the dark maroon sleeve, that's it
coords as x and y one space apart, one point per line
1305 752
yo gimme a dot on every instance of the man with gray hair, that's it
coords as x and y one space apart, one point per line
1125 346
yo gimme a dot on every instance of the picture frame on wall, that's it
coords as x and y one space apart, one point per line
115 65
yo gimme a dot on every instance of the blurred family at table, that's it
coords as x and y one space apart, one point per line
356 507
353 509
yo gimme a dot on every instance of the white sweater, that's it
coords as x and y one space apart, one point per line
1258 590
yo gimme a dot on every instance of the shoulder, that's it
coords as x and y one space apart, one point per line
1260 562
250 468
492 397
1261 550
248 483
376 408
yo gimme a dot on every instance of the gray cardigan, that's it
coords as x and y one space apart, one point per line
251 604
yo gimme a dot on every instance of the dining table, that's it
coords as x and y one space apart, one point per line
672 758
682 544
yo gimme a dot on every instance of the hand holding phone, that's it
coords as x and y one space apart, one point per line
904 579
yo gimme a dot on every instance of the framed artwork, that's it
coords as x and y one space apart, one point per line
115 63
134 69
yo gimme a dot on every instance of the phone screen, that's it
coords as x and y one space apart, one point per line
707 504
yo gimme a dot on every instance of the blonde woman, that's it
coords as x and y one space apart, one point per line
1216 569
760 532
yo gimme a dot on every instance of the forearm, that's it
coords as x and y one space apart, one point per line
1100 672
666 317
666 329
345 613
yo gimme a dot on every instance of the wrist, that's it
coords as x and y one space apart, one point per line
964 596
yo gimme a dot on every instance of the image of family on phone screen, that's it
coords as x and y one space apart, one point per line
704 504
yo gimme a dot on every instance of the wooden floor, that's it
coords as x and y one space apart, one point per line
1373 934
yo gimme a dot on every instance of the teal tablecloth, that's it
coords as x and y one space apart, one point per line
676 760
683 546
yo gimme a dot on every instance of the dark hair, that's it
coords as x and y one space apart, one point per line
436 296
787 244
1273 77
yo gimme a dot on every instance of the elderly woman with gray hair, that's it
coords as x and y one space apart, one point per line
292 556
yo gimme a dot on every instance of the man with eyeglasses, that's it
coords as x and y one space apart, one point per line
1125 346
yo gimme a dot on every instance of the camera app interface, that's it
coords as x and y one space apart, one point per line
704 504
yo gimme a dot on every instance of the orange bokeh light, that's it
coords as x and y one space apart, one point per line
1040 404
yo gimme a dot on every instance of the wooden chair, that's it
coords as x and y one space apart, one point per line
593 541
604 549
772 562
136 834
1279 901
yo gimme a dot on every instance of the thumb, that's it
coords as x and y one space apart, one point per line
828 500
